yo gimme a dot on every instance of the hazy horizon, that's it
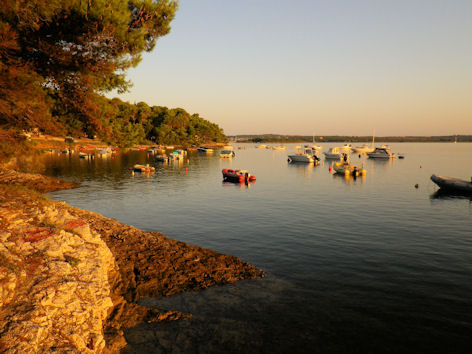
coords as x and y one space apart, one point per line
303 67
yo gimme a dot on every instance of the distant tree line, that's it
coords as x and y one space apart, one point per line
273 138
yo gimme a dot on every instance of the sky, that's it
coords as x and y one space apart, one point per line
303 67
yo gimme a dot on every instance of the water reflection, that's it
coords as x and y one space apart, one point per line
373 267
349 179
449 194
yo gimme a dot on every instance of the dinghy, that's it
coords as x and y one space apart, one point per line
453 184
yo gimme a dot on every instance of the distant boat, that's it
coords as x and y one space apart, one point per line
228 154
178 155
452 184
333 154
143 168
262 146
228 147
204 150
279 147
308 155
381 153
365 148
84 155
346 147
314 146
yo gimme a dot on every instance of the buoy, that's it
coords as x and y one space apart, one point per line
132 173
421 166
416 185
329 168
186 169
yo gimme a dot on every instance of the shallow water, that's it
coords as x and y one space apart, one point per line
362 265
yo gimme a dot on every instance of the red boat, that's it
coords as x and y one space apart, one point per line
237 175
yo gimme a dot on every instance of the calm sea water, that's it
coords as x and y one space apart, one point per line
366 265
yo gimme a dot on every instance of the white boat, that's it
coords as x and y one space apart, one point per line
204 150
314 146
348 169
452 184
178 155
228 147
381 153
279 147
103 151
262 146
84 155
228 154
364 149
333 154
308 155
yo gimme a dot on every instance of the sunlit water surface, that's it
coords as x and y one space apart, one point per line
367 265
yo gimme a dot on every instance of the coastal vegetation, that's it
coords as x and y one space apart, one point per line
58 59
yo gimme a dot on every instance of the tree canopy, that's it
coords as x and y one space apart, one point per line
59 56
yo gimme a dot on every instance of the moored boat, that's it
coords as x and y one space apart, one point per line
364 149
333 154
279 147
381 153
238 176
308 155
143 168
453 184
205 150
348 169
227 154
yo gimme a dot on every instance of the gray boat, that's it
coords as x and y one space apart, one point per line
452 184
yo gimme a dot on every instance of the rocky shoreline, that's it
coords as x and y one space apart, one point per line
70 278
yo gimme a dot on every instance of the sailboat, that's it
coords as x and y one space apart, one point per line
314 146
364 149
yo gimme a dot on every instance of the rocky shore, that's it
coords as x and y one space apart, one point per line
70 278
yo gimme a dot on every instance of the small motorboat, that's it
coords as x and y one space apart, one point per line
308 155
333 154
227 154
363 149
84 155
238 176
348 169
453 184
143 168
205 150
262 146
382 152
279 147
162 158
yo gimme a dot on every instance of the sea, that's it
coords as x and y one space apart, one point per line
374 264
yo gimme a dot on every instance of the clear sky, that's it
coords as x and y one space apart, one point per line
331 67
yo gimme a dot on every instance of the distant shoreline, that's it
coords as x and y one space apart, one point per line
273 138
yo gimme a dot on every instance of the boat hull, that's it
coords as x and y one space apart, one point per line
301 158
237 176
453 184
348 169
